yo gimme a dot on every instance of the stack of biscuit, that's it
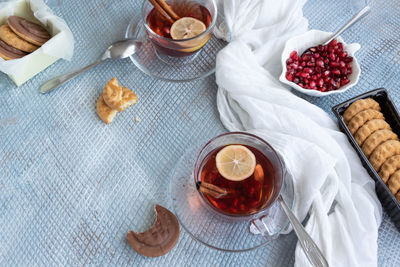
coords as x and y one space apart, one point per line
19 37
377 140
114 99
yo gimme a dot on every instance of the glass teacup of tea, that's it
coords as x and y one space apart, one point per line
238 175
179 28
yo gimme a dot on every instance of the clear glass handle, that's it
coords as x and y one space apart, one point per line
311 250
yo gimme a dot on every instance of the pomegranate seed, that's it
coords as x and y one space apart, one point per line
316 55
294 55
301 85
342 64
335 72
326 73
319 48
303 64
348 65
310 64
333 65
320 63
348 59
289 77
308 70
332 56
320 82
296 80
343 70
332 43
344 82
312 84
340 45
289 61
304 74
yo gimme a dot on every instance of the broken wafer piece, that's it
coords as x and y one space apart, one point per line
394 182
362 117
368 128
358 106
389 167
383 152
106 114
129 98
377 138
118 97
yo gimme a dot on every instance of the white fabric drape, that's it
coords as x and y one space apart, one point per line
326 170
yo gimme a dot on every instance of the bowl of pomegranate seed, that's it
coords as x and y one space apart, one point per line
319 70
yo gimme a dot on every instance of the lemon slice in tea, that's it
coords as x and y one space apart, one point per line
235 162
187 27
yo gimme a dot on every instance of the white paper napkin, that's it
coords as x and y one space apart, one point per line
61 45
330 183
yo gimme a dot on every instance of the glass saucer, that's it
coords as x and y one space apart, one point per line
148 60
212 229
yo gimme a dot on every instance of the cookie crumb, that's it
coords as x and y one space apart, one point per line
136 119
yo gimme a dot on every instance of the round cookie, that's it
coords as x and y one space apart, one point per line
389 167
376 139
394 182
160 238
105 113
28 31
9 37
368 128
362 117
359 106
8 52
383 152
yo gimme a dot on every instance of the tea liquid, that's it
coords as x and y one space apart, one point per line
249 195
160 25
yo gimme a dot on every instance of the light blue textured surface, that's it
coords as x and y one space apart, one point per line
72 187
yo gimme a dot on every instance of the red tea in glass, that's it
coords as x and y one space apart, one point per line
247 196
160 28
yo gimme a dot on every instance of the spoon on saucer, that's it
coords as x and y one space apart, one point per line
117 50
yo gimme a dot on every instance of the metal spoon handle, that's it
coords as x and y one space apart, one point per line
53 83
349 23
311 250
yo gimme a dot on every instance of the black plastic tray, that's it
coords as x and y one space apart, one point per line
388 200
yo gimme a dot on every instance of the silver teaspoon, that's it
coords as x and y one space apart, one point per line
117 50
353 20
311 250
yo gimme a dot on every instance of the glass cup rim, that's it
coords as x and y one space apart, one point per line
199 161
210 27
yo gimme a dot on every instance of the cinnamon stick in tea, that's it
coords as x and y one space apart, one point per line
162 7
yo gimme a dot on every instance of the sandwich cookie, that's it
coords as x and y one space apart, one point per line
9 37
8 52
28 31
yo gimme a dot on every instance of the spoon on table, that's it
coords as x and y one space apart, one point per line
353 20
117 50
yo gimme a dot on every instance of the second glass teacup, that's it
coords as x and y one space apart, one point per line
238 175
158 27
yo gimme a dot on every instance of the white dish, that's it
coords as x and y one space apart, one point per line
312 38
